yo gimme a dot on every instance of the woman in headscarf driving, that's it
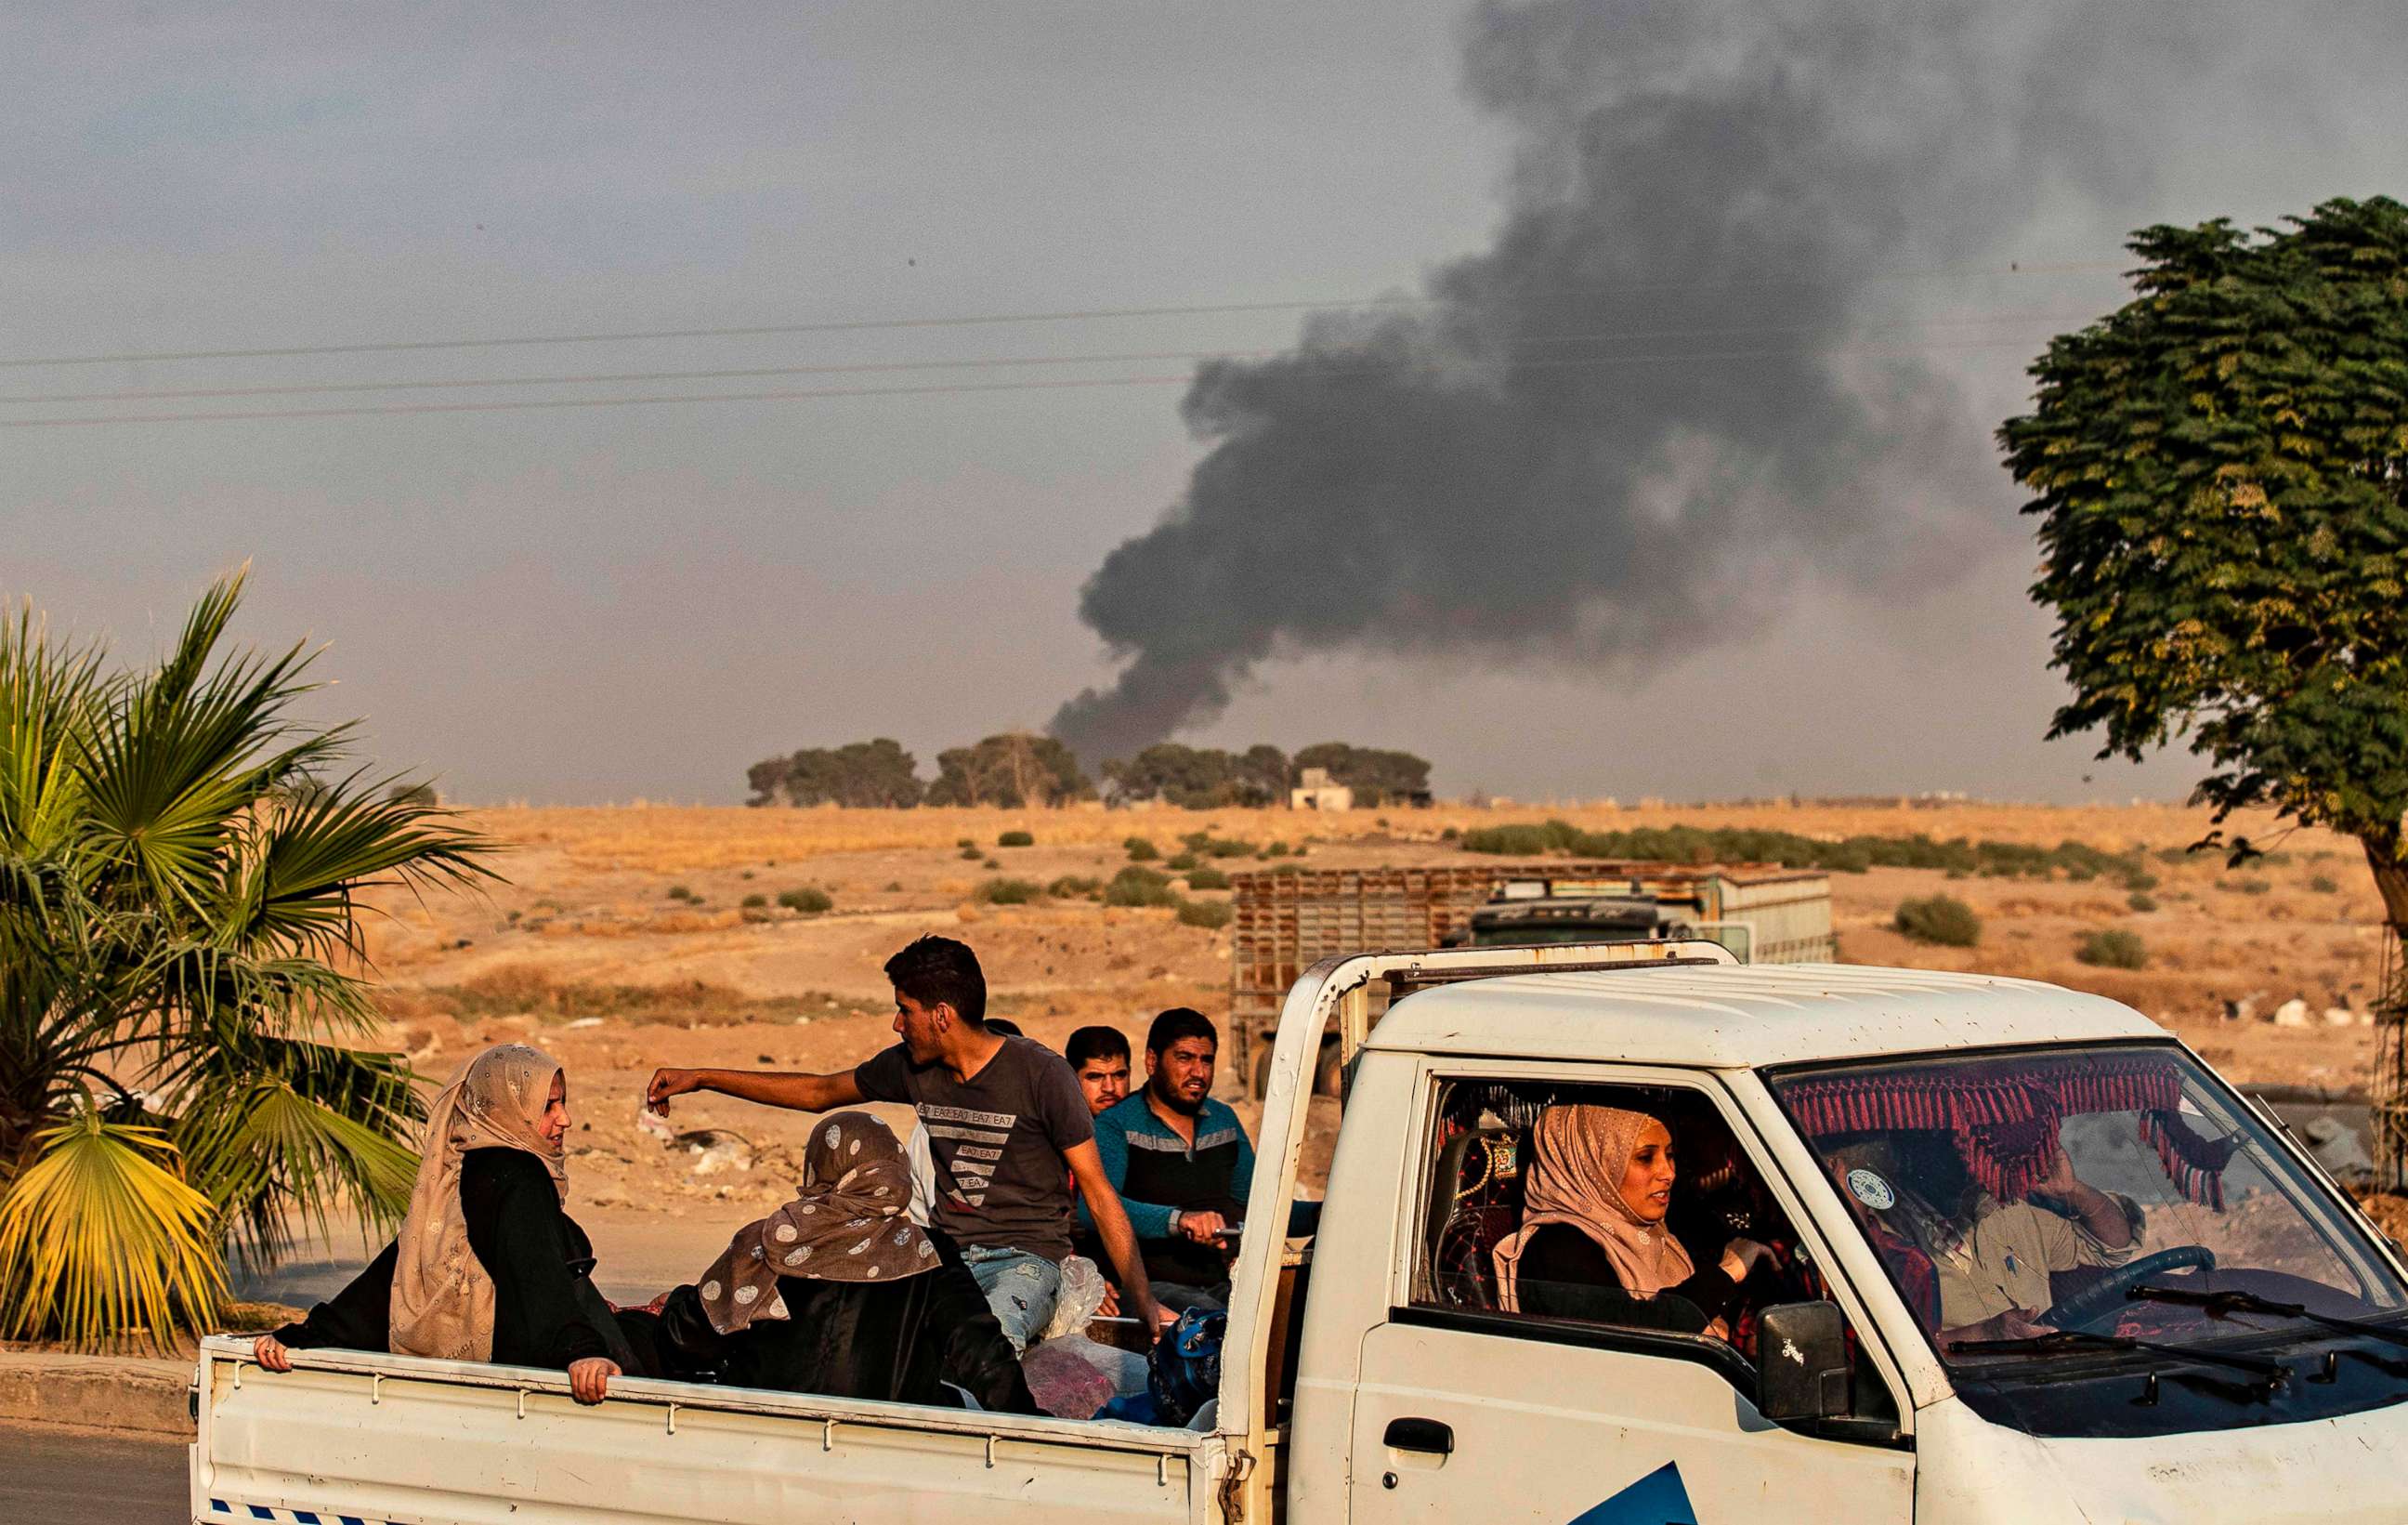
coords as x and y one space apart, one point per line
1593 1244
487 1266
838 1292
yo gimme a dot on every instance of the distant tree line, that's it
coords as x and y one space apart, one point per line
1020 770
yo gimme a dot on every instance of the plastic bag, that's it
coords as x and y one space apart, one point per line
1083 1293
1064 1383
1126 1369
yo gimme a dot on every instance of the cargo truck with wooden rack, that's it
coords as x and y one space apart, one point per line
1288 919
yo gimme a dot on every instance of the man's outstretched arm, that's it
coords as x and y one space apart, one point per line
786 1089
1112 1226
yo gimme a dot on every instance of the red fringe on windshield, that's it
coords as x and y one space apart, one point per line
2004 1119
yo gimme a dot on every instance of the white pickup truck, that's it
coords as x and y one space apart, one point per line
2234 1352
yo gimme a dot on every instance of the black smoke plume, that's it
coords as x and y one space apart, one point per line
1658 401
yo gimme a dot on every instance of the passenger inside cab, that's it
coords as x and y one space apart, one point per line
1593 1243
1977 1268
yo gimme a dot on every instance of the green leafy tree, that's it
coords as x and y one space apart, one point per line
2220 471
864 775
181 866
1015 769
1377 777
1198 777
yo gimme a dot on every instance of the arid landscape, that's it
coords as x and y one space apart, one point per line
629 937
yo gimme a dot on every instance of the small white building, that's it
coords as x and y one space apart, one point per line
1317 793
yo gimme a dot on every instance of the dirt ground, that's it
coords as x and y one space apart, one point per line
583 949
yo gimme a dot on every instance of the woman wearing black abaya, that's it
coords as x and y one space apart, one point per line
487 1267
837 1292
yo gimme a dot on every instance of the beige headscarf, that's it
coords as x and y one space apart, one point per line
1581 1153
442 1298
846 1223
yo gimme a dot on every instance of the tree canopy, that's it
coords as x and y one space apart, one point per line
860 774
1200 778
1377 777
2220 471
1015 769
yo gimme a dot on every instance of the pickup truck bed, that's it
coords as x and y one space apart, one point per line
353 1439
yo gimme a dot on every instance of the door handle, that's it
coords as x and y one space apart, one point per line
1420 1436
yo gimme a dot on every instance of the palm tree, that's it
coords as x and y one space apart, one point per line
181 960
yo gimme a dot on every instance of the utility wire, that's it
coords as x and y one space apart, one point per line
651 399
972 320
984 363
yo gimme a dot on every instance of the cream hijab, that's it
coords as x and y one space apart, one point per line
1582 1152
442 1298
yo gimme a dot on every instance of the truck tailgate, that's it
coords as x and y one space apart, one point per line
349 1437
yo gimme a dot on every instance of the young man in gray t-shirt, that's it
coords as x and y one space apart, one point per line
1006 1124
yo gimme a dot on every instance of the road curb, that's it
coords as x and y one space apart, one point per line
127 1394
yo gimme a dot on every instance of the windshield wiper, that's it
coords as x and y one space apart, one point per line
2224 1304
2271 1375
2072 1339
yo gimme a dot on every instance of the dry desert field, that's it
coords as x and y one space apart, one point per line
621 939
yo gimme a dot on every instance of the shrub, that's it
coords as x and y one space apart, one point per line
1180 863
2112 950
1009 891
1071 885
1207 878
1140 887
965 842
2141 900
2140 881
971 853
989 863
1448 834
1016 839
2254 887
2322 886
681 892
1280 849
1140 851
1227 847
1209 914
755 903
1942 919
895 886
810 903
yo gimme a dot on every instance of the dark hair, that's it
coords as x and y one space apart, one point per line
1096 1043
935 971
1003 1027
1178 1022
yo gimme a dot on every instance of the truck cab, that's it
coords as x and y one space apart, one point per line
2234 1354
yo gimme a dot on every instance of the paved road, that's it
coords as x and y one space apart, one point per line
57 1478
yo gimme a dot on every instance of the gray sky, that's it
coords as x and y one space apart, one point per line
594 604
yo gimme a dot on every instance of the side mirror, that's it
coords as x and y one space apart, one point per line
1801 1352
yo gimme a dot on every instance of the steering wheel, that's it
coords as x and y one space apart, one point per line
2080 1310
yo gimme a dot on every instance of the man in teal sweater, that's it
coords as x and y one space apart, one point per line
1181 1163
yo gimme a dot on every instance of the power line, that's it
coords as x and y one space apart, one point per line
981 363
973 320
798 395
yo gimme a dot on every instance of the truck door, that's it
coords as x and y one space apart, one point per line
1467 1409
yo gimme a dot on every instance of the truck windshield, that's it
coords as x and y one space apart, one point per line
2103 1190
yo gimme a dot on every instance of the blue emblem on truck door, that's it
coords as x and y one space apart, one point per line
1657 1499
